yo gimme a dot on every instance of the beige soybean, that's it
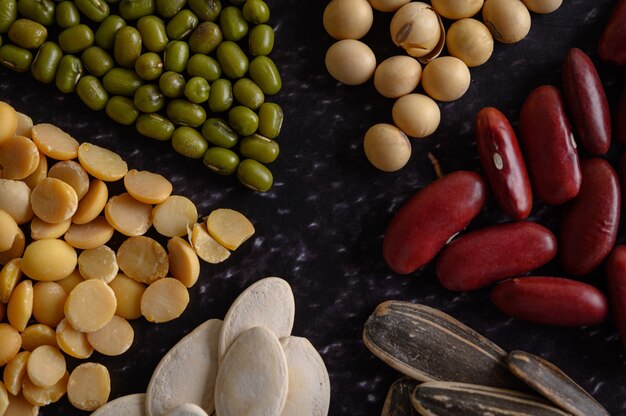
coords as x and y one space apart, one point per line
36 335
143 259
90 306
92 203
128 293
48 303
508 20
73 174
89 386
19 157
54 201
543 6
43 396
470 41
174 216
127 215
46 366
446 78
8 122
72 342
49 260
98 263
416 28
40 230
417 115
164 300
387 147
455 10
16 250
350 61
397 76
147 187
15 200
19 406
14 373
115 338
39 174
388 5
69 283
184 263
20 306
101 163
8 230
4 399
206 247
10 276
348 19
24 125
10 343
90 235
54 142
228 227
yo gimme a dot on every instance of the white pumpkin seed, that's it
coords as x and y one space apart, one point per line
187 409
131 405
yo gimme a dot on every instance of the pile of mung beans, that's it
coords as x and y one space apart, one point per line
195 72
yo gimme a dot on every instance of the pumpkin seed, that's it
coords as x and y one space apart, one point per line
444 398
132 404
426 345
552 383
398 401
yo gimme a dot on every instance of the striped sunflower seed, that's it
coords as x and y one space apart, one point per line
398 401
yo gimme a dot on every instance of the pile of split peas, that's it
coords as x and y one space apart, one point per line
420 29
63 290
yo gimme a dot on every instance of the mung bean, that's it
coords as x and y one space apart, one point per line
96 10
259 148
221 160
149 99
122 110
134 9
76 38
176 56
169 8
243 120
205 38
67 14
264 73
108 28
254 175
153 34
46 62
221 97
232 59
68 73
189 142
41 11
8 14
185 113
218 132
27 33
181 25
121 81
172 84
149 66
233 24
15 58
261 40
206 10
92 93
270 120
155 126
200 65
127 46
97 61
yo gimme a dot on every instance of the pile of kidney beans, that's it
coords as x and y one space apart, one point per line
588 189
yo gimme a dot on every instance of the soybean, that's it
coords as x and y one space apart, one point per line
155 126
76 39
96 10
254 175
149 99
197 90
68 74
264 73
27 33
220 160
261 40
92 93
243 120
169 8
134 9
106 32
8 14
67 15
46 62
270 120
232 59
127 46
153 34
97 61
101 163
189 142
15 58
149 66
219 133
233 24
221 97
248 93
41 11
259 148
200 65
122 110
121 81
256 11
176 56
206 10
186 113
172 84
181 25
205 38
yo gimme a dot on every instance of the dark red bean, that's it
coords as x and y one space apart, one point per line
621 172
616 278
589 223
549 147
488 255
502 162
612 46
620 118
551 301
424 224
586 102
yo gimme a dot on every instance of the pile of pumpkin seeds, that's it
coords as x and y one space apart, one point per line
451 369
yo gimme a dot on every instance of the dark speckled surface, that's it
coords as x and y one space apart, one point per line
321 226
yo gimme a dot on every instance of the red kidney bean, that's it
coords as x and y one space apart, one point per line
551 301
589 223
616 278
488 255
622 179
502 162
620 118
549 146
612 46
424 224
586 102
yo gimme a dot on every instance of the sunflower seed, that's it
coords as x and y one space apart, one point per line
398 401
